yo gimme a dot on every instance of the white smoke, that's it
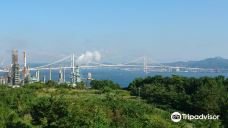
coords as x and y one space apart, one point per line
88 57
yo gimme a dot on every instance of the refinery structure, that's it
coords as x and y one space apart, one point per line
18 76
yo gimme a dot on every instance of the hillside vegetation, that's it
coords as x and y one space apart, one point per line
105 105
194 96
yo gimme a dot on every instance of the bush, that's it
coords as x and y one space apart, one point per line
48 111
102 84
191 95
51 83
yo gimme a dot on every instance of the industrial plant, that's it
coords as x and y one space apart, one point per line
17 76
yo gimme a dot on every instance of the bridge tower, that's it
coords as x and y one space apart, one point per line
64 74
50 73
145 68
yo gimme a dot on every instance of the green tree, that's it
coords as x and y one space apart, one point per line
48 111
101 84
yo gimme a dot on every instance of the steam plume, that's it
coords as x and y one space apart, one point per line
89 57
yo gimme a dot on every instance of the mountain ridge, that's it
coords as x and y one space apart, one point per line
214 62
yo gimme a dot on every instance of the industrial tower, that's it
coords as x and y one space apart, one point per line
61 79
75 73
73 79
15 74
25 70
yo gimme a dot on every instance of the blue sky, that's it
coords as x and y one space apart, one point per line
164 30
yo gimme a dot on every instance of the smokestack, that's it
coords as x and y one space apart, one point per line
25 60
25 73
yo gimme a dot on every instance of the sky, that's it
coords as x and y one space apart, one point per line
121 30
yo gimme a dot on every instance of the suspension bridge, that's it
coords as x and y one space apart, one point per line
73 64
141 63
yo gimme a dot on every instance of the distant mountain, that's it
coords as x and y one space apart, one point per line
216 62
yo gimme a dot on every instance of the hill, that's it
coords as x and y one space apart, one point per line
42 105
216 62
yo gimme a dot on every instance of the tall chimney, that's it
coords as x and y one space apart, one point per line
24 71
25 60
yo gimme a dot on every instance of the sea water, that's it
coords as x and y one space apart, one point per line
120 76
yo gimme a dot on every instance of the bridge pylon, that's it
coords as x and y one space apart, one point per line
145 68
50 73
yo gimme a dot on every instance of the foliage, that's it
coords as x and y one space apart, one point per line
204 95
61 106
104 84
80 86
51 83
47 111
